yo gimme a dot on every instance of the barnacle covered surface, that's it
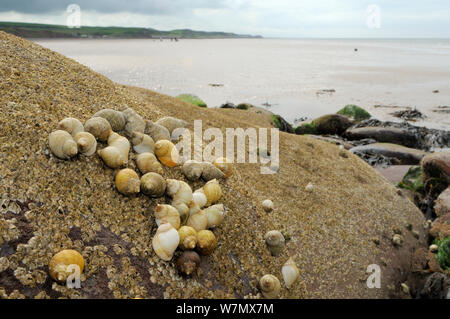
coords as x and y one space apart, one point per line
47 204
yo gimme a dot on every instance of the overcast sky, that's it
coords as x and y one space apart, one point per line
270 18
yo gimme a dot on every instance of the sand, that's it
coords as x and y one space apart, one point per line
49 204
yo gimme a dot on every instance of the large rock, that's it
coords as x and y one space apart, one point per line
383 134
355 112
332 140
442 203
405 155
441 227
394 174
437 286
332 124
282 124
437 165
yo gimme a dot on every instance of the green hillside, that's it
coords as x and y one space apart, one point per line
34 30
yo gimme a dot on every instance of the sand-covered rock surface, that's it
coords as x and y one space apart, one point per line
345 224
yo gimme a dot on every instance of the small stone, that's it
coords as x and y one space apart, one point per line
405 288
397 240
309 188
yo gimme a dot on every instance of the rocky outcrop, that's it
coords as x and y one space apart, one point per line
395 173
437 165
442 203
332 124
383 135
282 124
405 155
441 227
355 112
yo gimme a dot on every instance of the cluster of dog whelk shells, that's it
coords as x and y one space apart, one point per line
187 221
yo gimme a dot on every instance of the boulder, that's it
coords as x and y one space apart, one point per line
191 99
405 155
441 227
332 140
228 105
355 112
305 128
437 165
332 124
394 174
436 286
282 124
442 203
383 134
244 106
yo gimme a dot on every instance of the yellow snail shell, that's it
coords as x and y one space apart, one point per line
171 123
206 242
275 242
188 237
270 286
211 172
215 215
165 241
224 165
199 198
290 272
142 143
267 205
193 208
115 118
167 214
86 142
188 262
147 163
127 182
153 185
59 264
134 122
71 125
99 127
62 144
116 154
212 191
198 220
167 153
192 170
156 131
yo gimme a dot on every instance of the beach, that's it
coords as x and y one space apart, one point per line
298 78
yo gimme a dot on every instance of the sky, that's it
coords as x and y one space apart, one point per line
269 18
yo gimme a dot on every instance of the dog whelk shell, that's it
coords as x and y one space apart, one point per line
171 123
206 242
198 220
267 205
183 209
115 118
290 272
167 153
215 215
62 144
156 131
71 125
86 142
192 170
147 162
165 241
62 264
211 172
167 214
199 198
212 191
188 237
134 122
142 143
116 154
397 240
179 191
275 242
188 262
127 182
224 165
153 185
309 188
270 286
99 127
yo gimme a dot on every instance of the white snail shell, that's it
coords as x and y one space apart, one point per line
134 122
270 286
156 131
147 163
211 172
192 170
86 142
275 242
71 125
62 144
99 127
115 118
198 221
171 123
267 205
165 241
199 198
167 214
153 185
215 215
290 272
142 143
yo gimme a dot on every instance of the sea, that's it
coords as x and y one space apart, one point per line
299 79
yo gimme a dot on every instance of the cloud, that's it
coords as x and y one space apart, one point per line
281 18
